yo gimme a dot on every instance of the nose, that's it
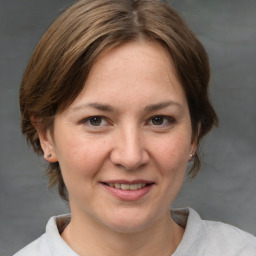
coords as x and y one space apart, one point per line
128 150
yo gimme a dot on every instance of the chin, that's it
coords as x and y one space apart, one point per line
129 223
128 228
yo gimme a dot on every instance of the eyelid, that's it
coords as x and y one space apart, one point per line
171 120
86 120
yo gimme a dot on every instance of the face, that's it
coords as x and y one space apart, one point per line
123 145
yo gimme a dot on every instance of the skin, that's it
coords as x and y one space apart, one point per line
128 87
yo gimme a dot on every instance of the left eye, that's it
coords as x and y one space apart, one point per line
161 120
157 120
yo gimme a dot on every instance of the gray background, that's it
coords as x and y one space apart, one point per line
225 189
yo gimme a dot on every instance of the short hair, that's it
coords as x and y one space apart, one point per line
61 62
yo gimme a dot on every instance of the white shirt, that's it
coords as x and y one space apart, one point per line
201 238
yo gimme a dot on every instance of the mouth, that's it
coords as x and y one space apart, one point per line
128 191
125 186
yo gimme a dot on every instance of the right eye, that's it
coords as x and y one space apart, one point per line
95 121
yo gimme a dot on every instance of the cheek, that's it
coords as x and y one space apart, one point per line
172 152
172 165
79 162
80 156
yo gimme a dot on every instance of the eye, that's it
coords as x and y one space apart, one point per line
95 121
157 120
161 120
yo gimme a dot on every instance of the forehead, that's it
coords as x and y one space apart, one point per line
132 72
146 58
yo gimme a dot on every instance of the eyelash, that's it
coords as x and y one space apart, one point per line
88 119
166 121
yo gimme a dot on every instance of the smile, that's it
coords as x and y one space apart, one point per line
128 191
126 186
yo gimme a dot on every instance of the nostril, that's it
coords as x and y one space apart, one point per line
129 152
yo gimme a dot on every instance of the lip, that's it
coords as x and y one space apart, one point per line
128 195
122 181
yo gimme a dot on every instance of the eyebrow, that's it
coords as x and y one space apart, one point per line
96 105
108 108
161 105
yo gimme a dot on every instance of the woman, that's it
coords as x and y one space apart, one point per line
115 97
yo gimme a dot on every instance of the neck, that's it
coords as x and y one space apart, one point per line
87 237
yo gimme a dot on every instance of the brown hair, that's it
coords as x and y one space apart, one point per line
62 60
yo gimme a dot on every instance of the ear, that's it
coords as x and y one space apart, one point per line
46 141
194 144
47 145
192 151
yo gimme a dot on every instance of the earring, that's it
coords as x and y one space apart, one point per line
49 155
191 157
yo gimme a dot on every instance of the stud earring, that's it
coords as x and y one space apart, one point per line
49 155
191 157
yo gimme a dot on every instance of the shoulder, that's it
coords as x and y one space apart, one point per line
211 238
228 238
36 248
51 242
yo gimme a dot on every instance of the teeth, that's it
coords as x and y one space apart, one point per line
117 185
133 186
127 186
